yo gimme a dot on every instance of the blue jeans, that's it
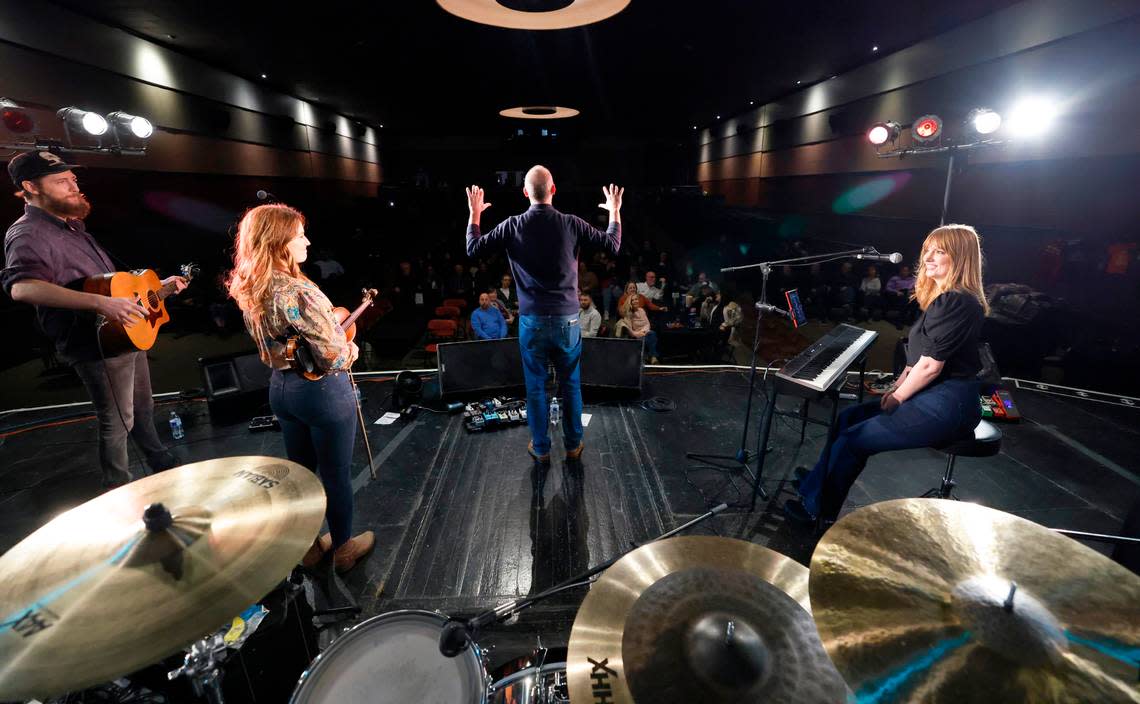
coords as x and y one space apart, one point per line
556 339
935 416
318 420
650 341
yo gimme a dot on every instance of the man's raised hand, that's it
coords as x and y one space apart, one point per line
475 202
613 198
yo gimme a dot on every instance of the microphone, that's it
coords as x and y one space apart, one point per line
893 257
454 639
266 196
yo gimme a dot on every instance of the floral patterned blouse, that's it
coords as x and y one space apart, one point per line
297 306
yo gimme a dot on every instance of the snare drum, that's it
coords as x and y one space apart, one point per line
394 658
539 678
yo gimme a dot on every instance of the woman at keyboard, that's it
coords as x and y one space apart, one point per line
935 401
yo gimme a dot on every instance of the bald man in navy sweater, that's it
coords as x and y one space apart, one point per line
542 246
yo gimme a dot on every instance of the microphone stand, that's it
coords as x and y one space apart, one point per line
458 634
743 457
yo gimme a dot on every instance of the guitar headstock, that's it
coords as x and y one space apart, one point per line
189 271
367 294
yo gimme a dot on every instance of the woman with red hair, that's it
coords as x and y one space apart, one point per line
318 418
935 400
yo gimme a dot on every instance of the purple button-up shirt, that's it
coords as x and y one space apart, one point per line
43 247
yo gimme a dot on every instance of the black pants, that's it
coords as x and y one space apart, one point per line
318 420
121 385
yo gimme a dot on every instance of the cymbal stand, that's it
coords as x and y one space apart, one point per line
201 667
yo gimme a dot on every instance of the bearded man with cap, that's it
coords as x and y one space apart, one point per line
46 252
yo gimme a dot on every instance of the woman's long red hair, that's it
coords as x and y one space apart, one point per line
259 250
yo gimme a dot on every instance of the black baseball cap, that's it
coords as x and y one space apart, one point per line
32 165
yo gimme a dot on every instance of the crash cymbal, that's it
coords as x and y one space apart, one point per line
134 575
699 619
921 600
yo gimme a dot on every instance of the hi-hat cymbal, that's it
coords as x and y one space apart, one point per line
921 600
120 582
699 619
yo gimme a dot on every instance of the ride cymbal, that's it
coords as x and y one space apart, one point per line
921 600
699 619
137 573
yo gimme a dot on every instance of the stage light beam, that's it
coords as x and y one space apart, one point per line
1031 117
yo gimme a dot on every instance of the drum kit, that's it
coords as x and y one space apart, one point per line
915 600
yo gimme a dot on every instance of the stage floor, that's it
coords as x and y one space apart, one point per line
467 521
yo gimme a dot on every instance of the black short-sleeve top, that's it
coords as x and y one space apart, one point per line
948 331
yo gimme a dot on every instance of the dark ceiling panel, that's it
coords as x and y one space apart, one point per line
658 66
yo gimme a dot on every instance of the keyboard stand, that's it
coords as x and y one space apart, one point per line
808 395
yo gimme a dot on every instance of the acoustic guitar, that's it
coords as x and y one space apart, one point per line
144 288
297 351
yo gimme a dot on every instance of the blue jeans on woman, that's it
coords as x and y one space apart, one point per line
937 415
651 343
553 339
318 420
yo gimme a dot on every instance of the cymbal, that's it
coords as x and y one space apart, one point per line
699 619
101 590
925 600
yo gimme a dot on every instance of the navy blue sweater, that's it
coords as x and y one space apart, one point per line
542 246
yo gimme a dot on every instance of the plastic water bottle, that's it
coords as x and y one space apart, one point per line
555 411
176 426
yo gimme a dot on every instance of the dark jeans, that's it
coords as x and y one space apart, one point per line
651 343
556 339
318 419
935 416
122 385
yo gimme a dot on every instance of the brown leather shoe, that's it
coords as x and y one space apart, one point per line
576 453
316 551
346 555
545 459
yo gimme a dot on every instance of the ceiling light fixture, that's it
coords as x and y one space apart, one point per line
1031 117
874 48
927 128
539 112
512 15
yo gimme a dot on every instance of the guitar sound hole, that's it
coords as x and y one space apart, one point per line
152 299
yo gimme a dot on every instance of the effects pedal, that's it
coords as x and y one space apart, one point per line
259 424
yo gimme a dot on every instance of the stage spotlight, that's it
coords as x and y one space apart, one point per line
883 132
1031 117
140 127
92 123
984 120
927 128
15 118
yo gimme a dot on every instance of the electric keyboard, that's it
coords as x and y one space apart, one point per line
821 365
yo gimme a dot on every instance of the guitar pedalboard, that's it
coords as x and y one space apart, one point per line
493 414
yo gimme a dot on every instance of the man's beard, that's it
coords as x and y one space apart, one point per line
70 207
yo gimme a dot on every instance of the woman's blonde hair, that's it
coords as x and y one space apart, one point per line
259 250
962 244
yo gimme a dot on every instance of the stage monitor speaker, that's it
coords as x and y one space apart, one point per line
612 363
237 386
480 366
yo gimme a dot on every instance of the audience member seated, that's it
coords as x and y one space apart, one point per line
664 267
701 282
651 289
870 291
638 323
459 284
712 313
631 292
507 294
486 320
899 290
733 317
590 320
844 286
482 277
588 280
507 314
